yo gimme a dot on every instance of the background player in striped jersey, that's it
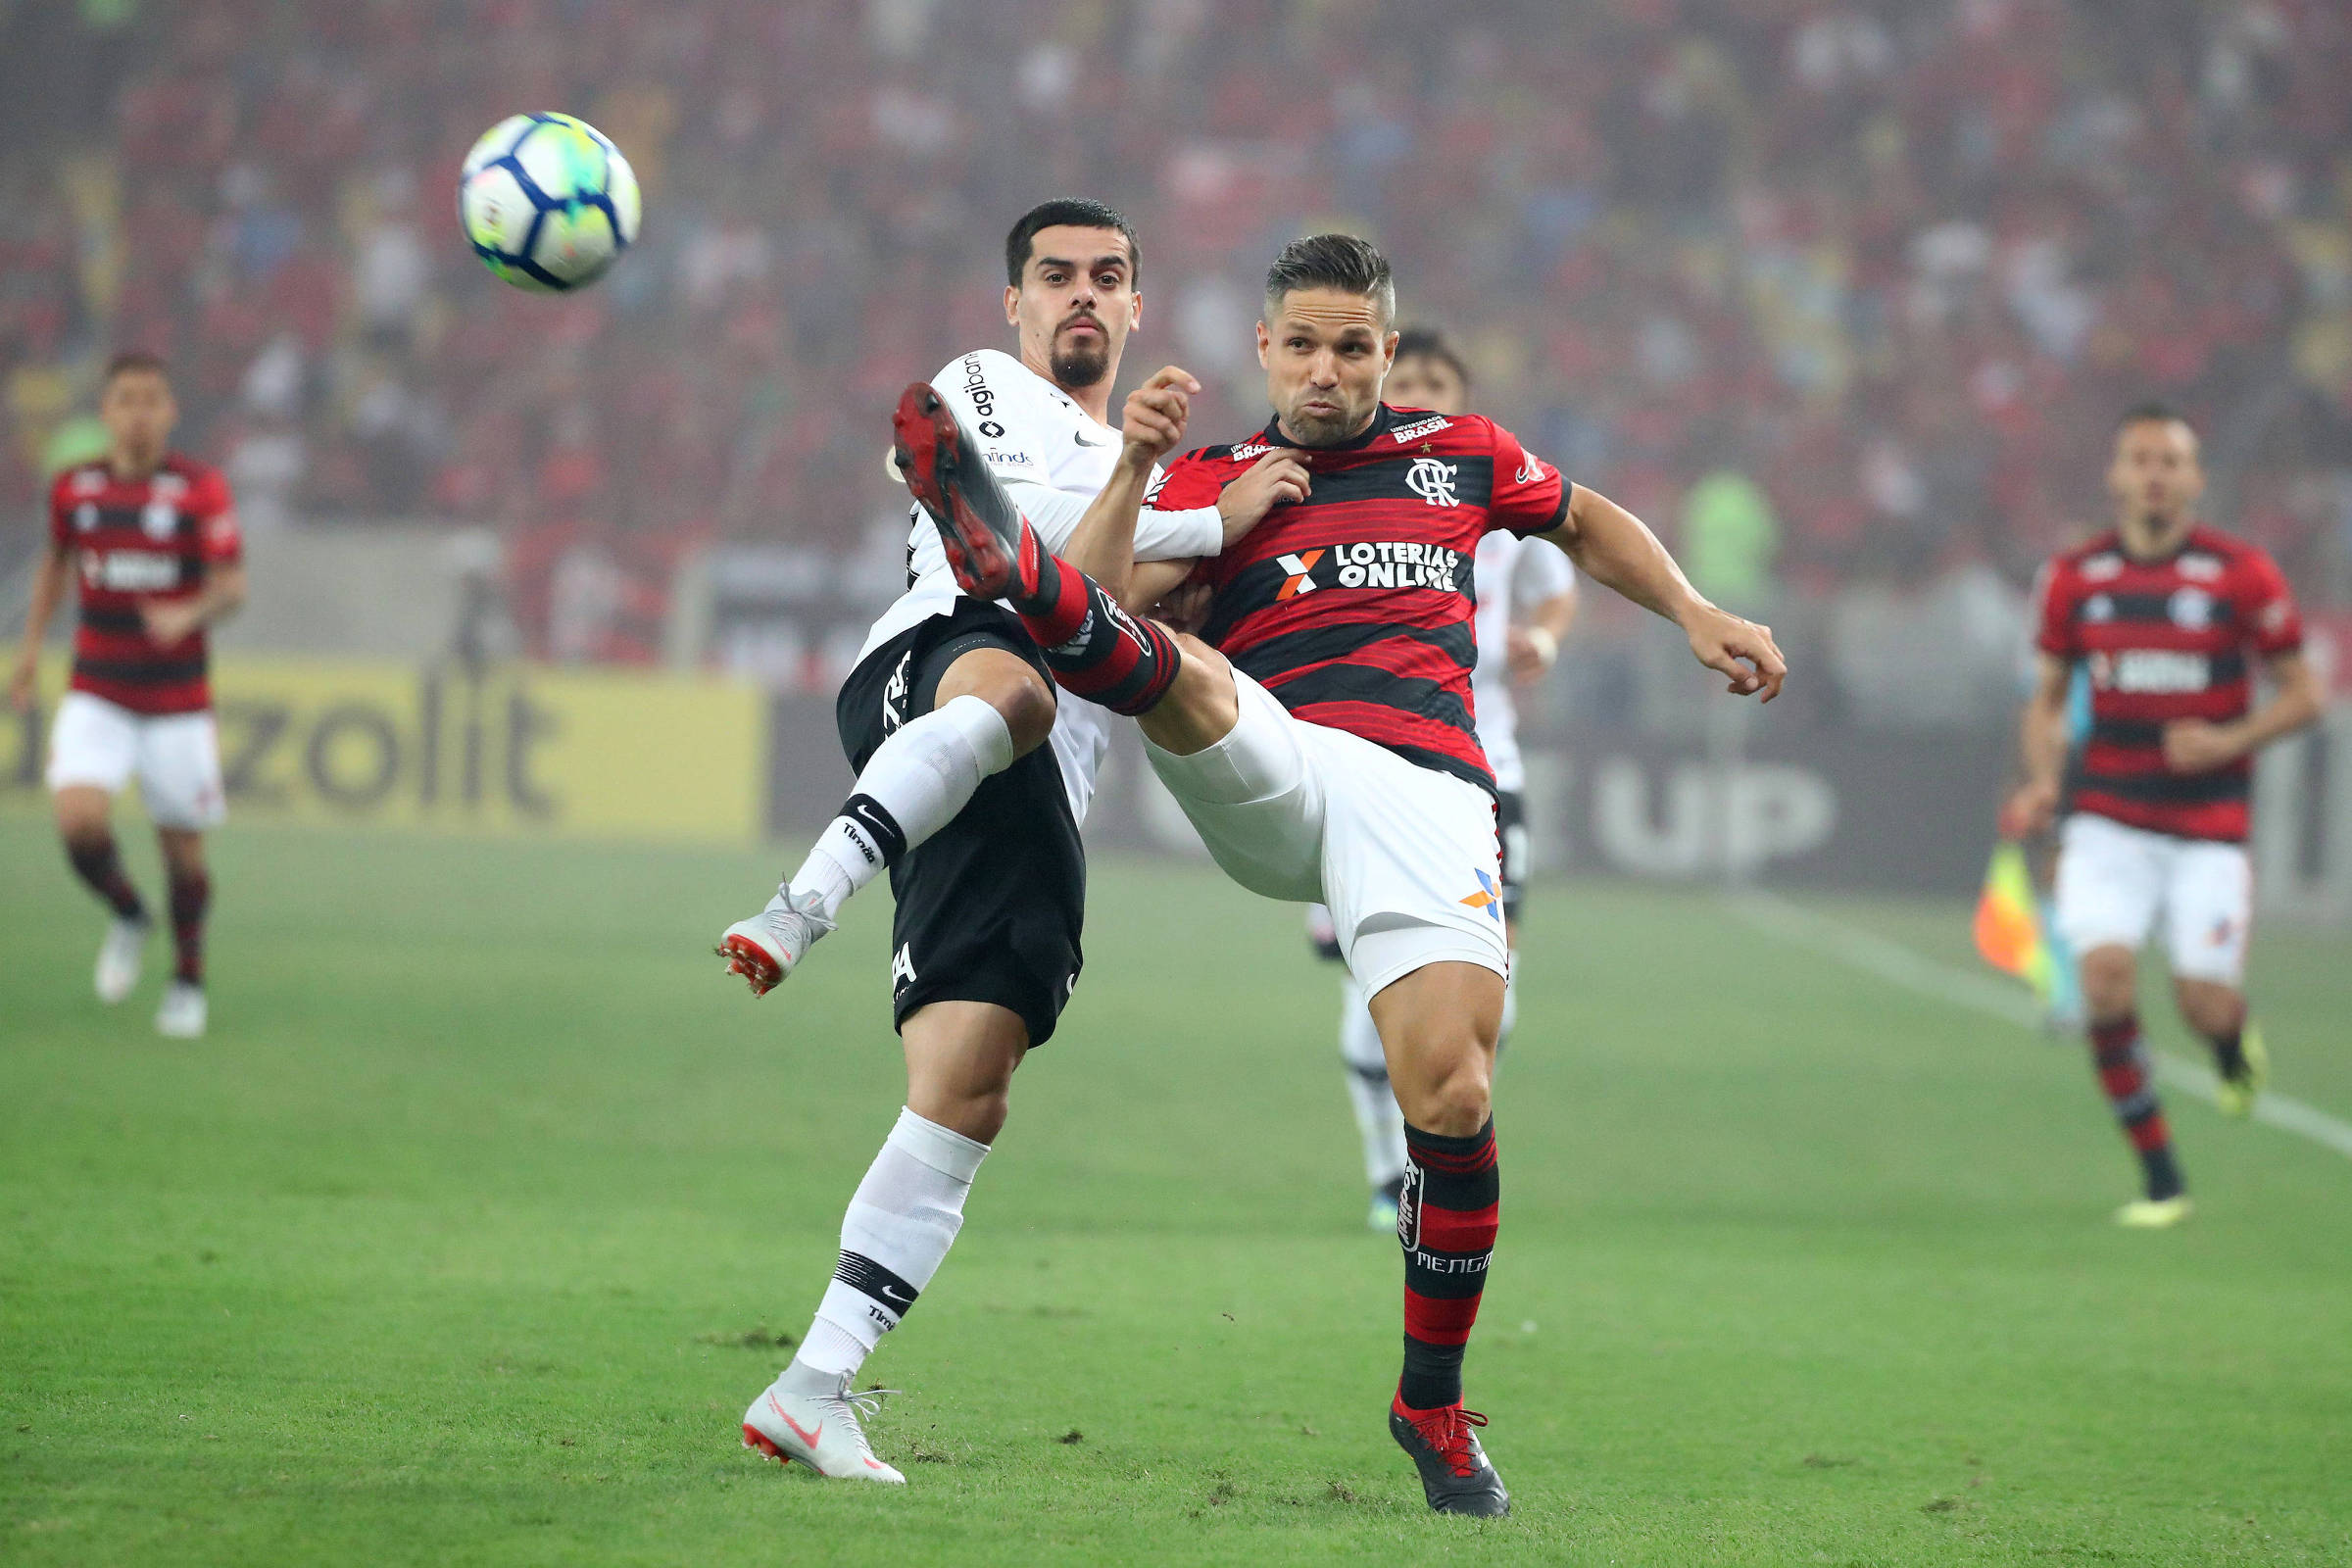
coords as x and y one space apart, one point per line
152 537
1317 734
2164 612
1526 600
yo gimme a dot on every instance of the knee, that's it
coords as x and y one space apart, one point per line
976 1111
1454 1099
2109 981
1027 708
2211 1009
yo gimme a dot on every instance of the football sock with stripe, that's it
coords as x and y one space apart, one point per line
2121 1061
1094 648
96 864
191 896
911 788
900 1226
2229 1051
1447 1221
1377 1119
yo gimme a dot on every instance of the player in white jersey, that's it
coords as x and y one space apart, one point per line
948 718
1526 600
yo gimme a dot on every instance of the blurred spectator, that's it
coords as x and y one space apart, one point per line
1851 289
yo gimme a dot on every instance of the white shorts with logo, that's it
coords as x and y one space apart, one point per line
175 756
1405 857
2113 881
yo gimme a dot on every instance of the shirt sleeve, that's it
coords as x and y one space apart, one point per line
1530 496
1000 414
2054 614
223 540
2266 607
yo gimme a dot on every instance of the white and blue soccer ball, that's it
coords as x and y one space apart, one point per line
548 202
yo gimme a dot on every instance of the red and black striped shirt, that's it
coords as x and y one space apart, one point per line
1355 608
132 541
2164 640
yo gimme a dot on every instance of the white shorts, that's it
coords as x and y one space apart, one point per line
1405 857
176 757
2113 879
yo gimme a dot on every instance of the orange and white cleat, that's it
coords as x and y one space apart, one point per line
820 1429
765 949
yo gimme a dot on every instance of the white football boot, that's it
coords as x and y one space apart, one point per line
118 960
821 1429
182 1013
765 949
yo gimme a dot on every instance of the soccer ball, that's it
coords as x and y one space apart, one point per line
548 202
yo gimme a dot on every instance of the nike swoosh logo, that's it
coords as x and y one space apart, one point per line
893 1297
1080 437
797 1431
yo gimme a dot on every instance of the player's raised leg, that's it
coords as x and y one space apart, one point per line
992 708
1440 1024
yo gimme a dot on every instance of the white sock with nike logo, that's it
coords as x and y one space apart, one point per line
911 788
897 1231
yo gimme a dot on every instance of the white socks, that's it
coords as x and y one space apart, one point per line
898 1228
1377 1117
913 785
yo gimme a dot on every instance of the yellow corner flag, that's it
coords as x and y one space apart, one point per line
2008 929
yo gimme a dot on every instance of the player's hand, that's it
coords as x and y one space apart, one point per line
1739 650
2194 746
1184 608
1154 416
1278 478
169 620
20 683
1529 652
2030 809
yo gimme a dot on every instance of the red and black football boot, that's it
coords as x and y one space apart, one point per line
982 529
1454 1473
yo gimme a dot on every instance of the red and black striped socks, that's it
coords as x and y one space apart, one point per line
2123 1066
96 864
1095 648
1446 1220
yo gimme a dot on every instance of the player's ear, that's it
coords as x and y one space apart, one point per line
1387 352
1013 305
1265 341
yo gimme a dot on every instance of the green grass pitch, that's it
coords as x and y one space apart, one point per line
465 1237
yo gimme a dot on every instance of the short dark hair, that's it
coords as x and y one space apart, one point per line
1429 343
1074 212
2154 411
132 360
1340 261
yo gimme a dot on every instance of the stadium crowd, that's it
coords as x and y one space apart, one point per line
1837 291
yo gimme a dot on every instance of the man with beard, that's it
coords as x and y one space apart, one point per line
948 718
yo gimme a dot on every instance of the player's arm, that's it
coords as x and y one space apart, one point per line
2041 744
169 620
48 589
2194 746
1614 548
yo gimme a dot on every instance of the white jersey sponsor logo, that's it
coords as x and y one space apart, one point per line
1421 427
2153 670
2190 609
1255 449
131 571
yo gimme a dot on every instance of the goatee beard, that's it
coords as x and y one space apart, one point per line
1077 366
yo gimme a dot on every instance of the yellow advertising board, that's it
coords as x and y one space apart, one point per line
506 749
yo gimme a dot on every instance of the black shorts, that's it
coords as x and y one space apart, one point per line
990 906
1511 821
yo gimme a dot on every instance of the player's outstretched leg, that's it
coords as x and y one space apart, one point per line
2110 975
1094 648
183 1012
911 788
2217 1011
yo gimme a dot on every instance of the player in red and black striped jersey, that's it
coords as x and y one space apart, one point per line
151 536
2169 617
1325 748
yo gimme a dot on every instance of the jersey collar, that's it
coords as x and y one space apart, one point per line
1383 418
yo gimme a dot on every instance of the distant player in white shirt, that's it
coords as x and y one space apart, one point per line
1526 600
973 778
